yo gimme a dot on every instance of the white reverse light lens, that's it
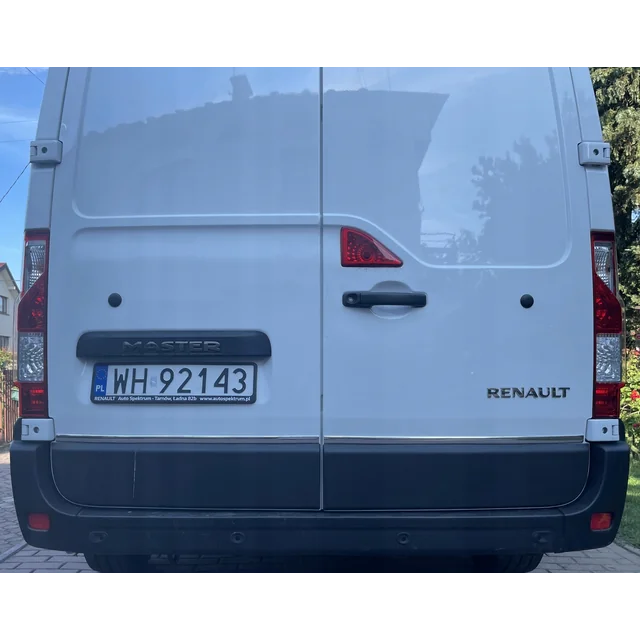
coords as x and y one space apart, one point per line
603 257
608 357
31 357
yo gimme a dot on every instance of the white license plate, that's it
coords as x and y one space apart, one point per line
174 384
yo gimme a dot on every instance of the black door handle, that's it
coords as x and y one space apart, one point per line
368 299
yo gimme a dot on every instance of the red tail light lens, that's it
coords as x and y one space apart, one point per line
606 401
607 309
608 326
39 521
601 521
33 400
32 311
32 327
359 249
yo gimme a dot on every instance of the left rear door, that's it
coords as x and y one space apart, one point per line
193 196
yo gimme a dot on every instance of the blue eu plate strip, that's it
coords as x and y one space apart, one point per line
100 380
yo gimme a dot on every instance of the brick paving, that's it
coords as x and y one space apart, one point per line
613 559
10 534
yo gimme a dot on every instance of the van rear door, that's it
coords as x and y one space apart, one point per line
477 396
184 311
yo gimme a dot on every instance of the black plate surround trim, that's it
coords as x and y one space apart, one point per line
107 346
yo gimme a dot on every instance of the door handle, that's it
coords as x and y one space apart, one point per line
368 299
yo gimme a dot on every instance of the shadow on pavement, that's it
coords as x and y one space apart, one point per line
311 565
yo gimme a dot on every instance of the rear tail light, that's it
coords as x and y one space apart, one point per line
601 521
39 521
608 323
32 327
359 249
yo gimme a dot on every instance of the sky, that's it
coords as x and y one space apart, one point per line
20 97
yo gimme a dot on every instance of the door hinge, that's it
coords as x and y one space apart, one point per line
45 152
594 154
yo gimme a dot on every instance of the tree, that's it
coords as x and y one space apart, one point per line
617 92
512 205
6 361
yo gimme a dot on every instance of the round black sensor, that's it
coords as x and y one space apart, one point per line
115 299
526 301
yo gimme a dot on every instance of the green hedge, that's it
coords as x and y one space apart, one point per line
630 403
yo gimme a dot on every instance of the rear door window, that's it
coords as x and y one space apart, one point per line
199 141
459 165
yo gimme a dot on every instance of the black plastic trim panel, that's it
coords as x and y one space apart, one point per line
453 476
130 531
188 476
167 346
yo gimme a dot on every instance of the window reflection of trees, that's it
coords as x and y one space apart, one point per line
520 199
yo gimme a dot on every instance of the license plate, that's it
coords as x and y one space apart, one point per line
174 384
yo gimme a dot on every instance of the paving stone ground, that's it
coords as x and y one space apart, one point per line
613 559
9 530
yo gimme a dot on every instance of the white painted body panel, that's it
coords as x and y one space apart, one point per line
599 188
205 212
202 217
488 156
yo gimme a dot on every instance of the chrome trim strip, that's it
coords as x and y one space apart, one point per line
383 440
191 439
453 440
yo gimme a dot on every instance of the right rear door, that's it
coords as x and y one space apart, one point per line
471 177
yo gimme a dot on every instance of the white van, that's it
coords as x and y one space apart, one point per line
304 311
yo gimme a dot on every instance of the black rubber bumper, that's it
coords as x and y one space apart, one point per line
130 531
